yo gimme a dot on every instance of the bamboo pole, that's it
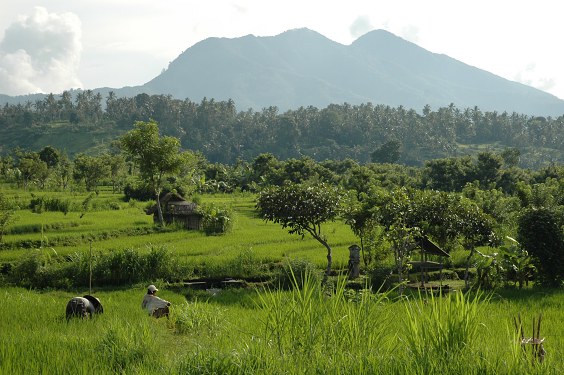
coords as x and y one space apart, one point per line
90 270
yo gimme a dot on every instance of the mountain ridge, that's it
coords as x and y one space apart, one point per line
301 67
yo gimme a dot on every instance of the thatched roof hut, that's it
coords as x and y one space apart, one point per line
177 210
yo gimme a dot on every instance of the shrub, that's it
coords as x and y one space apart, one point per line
294 271
41 204
139 193
114 206
216 220
125 267
197 317
381 278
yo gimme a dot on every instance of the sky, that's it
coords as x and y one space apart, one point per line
55 45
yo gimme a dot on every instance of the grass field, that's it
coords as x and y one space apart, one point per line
115 229
251 331
234 332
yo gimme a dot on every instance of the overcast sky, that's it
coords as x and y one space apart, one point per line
54 45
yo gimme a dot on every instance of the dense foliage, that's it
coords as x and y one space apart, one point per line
463 203
366 132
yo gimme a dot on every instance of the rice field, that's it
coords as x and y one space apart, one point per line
300 331
253 331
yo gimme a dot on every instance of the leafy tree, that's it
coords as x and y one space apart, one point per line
63 171
116 167
50 156
91 170
510 157
541 233
302 209
359 216
32 168
407 214
450 174
155 156
263 167
517 261
6 165
6 214
487 168
389 152
476 229
394 211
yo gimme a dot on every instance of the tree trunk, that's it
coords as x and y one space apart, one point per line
329 260
159 209
399 266
466 273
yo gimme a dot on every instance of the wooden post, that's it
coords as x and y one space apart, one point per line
90 270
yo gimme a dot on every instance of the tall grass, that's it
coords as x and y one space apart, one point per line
303 331
309 325
440 329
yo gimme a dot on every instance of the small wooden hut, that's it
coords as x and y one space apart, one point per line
177 210
428 247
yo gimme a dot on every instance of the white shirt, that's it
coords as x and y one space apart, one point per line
152 302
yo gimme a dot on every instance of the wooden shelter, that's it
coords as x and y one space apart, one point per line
177 210
427 248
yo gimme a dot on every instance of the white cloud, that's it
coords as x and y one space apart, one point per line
41 53
361 26
532 76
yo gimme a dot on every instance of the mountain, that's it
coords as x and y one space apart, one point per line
301 67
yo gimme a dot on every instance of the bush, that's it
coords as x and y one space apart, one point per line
294 271
126 267
216 220
114 206
381 278
196 317
138 193
41 204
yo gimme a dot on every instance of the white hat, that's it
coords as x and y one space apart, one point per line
152 288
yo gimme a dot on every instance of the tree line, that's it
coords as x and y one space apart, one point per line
365 132
467 201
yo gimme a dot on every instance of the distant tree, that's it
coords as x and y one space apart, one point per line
359 215
264 166
394 211
6 214
116 164
63 171
50 156
359 178
302 209
511 157
448 174
155 156
6 165
389 152
476 229
487 169
541 233
91 170
32 168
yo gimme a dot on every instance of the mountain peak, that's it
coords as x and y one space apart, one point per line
300 67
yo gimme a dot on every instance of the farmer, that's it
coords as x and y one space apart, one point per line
154 305
84 307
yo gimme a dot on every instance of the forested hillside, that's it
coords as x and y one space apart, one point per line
364 133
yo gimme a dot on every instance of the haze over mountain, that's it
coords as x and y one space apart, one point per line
302 67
